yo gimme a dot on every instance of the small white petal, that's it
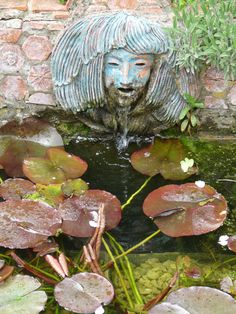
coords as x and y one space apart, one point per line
100 310
93 224
200 183
223 240
147 154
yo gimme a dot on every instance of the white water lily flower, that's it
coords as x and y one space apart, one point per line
223 240
100 310
200 183
93 224
186 164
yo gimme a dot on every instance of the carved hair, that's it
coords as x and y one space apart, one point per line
77 62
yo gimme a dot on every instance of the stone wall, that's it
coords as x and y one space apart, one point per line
28 32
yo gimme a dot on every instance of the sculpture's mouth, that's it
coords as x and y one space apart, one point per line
126 91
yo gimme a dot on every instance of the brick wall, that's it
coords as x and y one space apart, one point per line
28 32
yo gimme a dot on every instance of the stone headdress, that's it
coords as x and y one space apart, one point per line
77 63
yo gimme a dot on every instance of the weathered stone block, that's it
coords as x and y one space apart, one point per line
9 35
13 23
40 77
215 103
232 96
42 99
13 88
37 48
11 58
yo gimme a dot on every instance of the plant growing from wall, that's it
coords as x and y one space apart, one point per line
205 31
187 115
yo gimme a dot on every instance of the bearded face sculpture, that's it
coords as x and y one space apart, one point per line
115 72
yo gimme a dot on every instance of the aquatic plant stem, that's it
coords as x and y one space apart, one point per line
107 265
122 282
37 272
136 193
126 268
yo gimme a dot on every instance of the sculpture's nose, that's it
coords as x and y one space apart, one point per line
126 76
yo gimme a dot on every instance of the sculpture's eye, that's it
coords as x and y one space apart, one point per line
113 64
140 64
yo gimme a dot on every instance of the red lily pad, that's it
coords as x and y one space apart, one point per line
187 209
25 223
6 272
84 292
16 188
232 243
58 167
164 157
18 141
80 213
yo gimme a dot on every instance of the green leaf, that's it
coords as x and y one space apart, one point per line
184 112
184 125
193 120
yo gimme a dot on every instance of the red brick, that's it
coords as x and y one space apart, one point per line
96 8
41 99
217 86
37 25
10 35
11 58
40 77
37 48
14 4
55 26
122 4
47 6
13 88
61 14
150 9
214 74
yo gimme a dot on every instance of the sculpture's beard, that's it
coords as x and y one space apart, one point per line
124 97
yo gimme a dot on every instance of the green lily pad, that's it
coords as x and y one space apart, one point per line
56 168
164 157
18 141
74 187
187 209
18 295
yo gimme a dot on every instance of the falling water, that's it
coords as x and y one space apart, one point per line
122 140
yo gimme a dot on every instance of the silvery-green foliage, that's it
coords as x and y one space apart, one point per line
204 34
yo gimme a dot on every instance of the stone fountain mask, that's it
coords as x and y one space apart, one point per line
126 76
118 62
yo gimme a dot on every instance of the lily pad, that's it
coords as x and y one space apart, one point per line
74 187
31 138
167 308
16 188
203 300
164 157
232 243
80 213
51 194
56 168
25 223
187 209
84 292
18 295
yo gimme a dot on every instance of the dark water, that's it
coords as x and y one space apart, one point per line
110 170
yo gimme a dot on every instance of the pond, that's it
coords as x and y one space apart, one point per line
154 262
110 169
